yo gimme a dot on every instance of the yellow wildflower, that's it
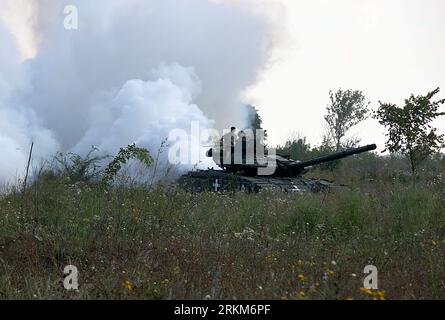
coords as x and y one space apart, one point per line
374 295
128 285
381 294
301 277
367 291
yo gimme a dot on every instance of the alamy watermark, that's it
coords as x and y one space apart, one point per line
71 21
371 280
71 280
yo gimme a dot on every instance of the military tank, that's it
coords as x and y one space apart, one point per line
287 175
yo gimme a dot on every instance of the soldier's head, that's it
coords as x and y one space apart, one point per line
232 129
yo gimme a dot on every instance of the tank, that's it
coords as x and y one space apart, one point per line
287 175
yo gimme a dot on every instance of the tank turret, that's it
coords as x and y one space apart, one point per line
286 167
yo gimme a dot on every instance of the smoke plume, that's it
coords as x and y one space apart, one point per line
131 72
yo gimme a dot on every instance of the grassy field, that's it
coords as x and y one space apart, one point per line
130 243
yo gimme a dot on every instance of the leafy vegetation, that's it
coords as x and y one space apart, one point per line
124 155
410 130
77 168
91 168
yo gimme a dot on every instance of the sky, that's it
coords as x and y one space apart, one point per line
386 48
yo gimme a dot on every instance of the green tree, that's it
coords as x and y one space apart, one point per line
297 148
325 148
346 109
409 128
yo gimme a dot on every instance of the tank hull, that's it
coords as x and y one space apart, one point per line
221 181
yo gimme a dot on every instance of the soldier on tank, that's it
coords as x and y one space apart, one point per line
227 148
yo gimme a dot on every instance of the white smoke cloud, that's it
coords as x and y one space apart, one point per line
133 71
19 125
145 111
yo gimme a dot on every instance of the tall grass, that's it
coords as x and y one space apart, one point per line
130 242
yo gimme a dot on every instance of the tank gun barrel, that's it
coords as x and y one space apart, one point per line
332 157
